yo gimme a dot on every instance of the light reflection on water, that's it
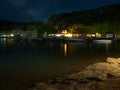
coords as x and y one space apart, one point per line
65 49
29 61
6 42
3 42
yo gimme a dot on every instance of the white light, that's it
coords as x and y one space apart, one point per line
12 35
4 35
58 35
93 35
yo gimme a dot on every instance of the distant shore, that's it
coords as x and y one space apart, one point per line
98 76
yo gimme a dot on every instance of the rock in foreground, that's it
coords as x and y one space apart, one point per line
99 76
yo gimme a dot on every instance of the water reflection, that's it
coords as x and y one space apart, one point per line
65 49
4 42
107 48
38 60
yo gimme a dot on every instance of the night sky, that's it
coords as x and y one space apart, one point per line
39 10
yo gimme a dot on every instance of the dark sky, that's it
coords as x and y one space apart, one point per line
38 10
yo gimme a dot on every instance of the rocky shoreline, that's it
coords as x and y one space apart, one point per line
98 76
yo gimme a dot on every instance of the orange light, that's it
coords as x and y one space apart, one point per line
65 49
68 35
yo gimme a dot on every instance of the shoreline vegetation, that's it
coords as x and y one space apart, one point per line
98 76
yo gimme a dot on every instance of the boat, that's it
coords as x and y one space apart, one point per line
102 40
76 39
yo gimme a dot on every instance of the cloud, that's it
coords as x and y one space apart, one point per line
18 3
26 10
32 13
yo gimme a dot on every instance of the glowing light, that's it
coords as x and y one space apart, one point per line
12 35
4 35
68 35
88 35
58 35
93 35
64 31
98 35
65 49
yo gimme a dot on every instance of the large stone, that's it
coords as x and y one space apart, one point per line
113 61
100 70
95 74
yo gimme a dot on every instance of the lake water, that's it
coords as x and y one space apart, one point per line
24 63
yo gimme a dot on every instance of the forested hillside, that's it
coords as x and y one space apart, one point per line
101 19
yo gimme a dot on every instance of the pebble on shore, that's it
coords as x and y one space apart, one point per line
98 76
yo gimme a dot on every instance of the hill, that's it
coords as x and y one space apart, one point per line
7 25
107 15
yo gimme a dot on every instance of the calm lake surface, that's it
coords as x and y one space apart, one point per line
24 63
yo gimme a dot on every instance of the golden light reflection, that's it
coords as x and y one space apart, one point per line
65 49
10 42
